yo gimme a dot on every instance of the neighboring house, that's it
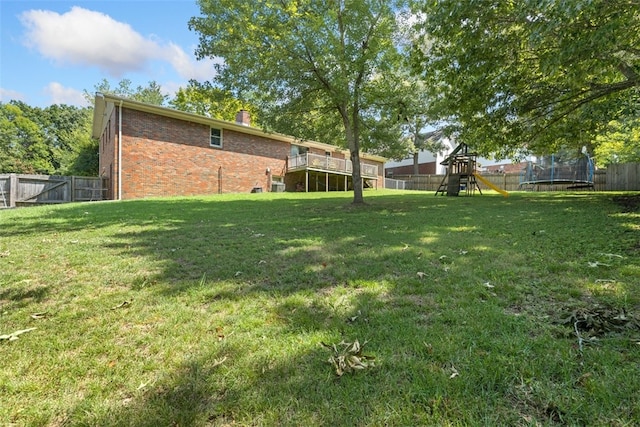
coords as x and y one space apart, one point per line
506 167
430 163
148 150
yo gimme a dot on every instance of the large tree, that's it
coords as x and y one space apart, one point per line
530 73
151 93
302 56
51 140
208 100
23 144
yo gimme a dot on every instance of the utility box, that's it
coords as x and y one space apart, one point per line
277 187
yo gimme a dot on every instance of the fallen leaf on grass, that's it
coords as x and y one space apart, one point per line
421 274
612 255
454 373
121 305
218 362
4 254
14 335
219 333
429 347
41 315
354 318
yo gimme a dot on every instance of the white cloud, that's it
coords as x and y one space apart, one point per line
7 95
170 88
65 95
86 37
187 67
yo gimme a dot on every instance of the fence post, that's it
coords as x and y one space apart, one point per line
13 189
73 189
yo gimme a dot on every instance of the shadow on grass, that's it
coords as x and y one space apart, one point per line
297 386
406 273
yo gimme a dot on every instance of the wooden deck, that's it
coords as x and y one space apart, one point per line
318 163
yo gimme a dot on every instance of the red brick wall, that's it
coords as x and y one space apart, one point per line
108 160
162 156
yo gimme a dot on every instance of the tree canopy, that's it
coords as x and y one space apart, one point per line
49 140
537 74
303 57
151 93
208 100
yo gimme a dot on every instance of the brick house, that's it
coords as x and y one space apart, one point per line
148 151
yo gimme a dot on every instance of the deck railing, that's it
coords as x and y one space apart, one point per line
321 163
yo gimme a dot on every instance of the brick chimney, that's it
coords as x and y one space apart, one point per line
243 118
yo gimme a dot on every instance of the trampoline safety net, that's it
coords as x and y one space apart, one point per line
555 169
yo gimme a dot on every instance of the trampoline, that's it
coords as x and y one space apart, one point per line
573 171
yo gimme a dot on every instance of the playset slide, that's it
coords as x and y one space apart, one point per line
490 185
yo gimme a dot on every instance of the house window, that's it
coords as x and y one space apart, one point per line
216 138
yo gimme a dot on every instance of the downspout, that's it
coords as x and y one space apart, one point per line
120 151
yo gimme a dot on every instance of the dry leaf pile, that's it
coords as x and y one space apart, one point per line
348 357
598 320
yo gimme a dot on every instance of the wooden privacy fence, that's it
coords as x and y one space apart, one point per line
24 190
507 181
623 177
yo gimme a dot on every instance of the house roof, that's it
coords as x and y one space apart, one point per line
105 103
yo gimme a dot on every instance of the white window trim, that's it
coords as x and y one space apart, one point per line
210 143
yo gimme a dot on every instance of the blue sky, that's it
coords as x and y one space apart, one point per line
52 50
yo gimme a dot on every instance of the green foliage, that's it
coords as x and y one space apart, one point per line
207 100
620 143
302 60
533 74
82 158
22 141
150 94
47 140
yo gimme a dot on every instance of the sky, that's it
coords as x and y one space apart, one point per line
53 50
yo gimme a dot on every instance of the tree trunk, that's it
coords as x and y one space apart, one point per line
416 164
356 176
353 142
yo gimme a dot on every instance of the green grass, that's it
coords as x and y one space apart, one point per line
462 301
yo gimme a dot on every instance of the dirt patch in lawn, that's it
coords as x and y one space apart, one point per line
628 203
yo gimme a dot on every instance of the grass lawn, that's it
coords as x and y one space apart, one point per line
213 311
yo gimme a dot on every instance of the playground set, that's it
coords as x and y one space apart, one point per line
462 175
572 171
